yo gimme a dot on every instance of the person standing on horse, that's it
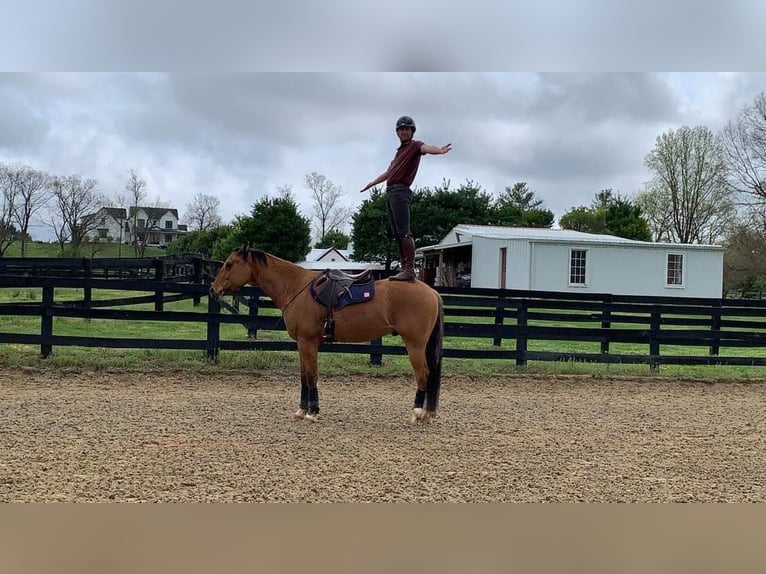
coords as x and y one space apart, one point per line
399 177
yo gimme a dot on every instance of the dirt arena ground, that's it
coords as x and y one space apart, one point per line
82 436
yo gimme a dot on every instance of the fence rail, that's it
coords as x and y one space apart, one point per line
503 324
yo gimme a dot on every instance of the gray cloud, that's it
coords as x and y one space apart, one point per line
240 135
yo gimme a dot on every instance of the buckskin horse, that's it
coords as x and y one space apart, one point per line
332 306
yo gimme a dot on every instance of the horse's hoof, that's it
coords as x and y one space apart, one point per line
311 418
300 414
416 416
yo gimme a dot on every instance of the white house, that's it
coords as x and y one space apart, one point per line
334 258
109 224
157 226
563 260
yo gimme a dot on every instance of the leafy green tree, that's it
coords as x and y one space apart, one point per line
744 261
584 219
275 226
201 241
436 211
609 214
624 219
370 231
334 238
517 206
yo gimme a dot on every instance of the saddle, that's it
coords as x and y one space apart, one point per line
334 289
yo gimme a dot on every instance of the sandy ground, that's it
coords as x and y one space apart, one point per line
81 436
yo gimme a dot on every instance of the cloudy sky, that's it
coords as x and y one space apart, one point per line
240 136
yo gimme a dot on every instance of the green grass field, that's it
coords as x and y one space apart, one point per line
97 250
330 363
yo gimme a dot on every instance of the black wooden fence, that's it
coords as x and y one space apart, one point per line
512 325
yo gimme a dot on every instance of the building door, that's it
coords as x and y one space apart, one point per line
503 265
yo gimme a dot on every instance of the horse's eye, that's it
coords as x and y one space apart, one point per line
228 265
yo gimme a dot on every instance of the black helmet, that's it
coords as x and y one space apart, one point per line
405 122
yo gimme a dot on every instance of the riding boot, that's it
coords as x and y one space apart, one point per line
408 261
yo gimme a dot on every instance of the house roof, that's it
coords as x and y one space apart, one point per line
155 213
462 235
333 258
117 213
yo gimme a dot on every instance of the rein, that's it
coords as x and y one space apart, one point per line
290 302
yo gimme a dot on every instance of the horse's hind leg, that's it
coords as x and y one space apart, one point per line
309 405
417 358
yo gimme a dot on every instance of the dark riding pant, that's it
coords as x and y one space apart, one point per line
398 199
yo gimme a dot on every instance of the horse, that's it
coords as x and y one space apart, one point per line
412 310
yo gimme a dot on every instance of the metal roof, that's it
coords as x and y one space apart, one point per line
535 234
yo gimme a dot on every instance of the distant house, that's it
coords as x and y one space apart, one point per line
109 224
564 260
155 226
334 258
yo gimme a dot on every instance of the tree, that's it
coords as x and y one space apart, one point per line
202 242
135 190
8 195
370 231
202 214
74 209
32 193
435 212
517 206
583 219
689 174
608 214
328 211
624 219
744 145
275 226
334 238
744 262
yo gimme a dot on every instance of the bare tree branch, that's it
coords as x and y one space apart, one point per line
74 209
202 214
329 213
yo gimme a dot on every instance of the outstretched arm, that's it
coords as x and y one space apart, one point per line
435 150
380 179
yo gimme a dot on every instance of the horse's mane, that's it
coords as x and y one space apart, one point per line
257 255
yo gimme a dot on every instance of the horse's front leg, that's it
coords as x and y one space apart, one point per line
309 406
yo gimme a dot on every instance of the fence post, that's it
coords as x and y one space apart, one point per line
606 323
715 327
654 343
521 337
46 323
87 289
213 329
376 355
159 270
499 313
197 262
252 315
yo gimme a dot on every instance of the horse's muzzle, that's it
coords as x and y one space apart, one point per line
214 295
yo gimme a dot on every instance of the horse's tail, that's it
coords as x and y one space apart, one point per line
434 360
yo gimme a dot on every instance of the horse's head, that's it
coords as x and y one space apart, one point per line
236 272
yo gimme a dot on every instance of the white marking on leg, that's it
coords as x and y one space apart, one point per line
300 414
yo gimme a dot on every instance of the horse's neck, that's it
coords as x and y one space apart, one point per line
282 280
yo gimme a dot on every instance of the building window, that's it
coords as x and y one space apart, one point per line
168 237
577 265
169 224
102 233
141 223
674 272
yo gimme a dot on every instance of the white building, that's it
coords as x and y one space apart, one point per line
563 260
334 258
156 226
